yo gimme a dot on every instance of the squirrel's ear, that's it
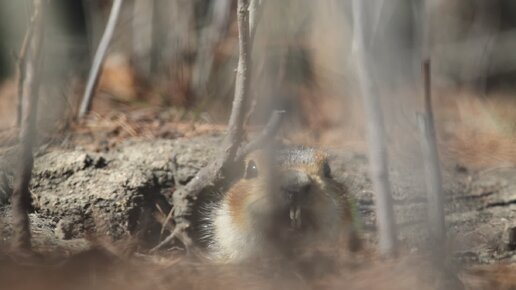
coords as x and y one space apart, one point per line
251 170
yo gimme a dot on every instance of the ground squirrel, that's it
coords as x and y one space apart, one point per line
284 201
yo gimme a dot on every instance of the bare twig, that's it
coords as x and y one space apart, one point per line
378 163
170 214
99 59
243 78
21 194
167 240
255 12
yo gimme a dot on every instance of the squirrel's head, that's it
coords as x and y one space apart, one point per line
286 186
285 198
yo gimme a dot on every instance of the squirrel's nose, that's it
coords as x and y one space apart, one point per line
296 184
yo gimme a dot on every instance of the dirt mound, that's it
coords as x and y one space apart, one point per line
116 195
112 194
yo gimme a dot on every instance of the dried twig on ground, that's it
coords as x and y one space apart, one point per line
21 194
99 59
378 163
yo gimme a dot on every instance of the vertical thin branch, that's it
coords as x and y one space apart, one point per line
21 194
378 163
429 144
243 79
99 58
255 13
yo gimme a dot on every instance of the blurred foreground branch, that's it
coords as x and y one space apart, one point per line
20 74
21 198
378 163
433 179
425 120
99 58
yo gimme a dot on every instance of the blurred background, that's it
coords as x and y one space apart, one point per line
170 73
175 60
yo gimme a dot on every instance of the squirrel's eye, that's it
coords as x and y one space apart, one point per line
251 171
326 170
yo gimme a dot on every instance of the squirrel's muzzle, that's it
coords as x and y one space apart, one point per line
296 185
